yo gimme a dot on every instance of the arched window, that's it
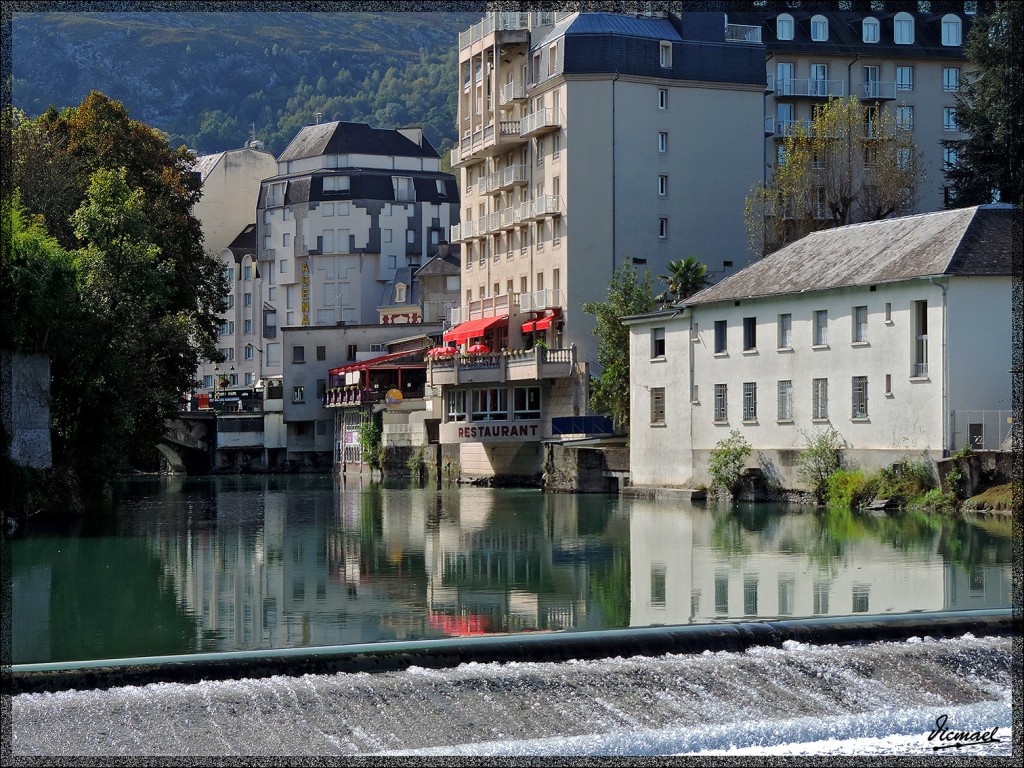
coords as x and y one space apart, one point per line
819 28
903 29
784 27
951 29
870 30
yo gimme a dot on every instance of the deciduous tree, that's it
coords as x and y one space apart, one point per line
628 294
850 163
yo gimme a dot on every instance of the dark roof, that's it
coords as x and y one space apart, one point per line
448 264
341 138
845 33
412 290
244 244
963 241
629 45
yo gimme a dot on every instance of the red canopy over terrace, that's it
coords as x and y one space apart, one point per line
543 323
473 329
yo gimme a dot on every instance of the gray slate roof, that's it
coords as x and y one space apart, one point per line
245 244
963 241
206 163
339 138
449 264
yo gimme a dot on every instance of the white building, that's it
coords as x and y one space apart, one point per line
231 182
896 334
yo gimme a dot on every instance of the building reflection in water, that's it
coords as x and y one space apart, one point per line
286 562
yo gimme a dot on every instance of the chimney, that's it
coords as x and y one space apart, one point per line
318 116
415 135
442 248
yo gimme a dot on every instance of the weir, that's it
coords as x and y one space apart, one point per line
546 647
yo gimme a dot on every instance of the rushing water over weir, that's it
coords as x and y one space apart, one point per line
652 704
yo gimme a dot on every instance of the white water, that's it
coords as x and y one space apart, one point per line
881 698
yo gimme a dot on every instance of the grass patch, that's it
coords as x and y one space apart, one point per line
996 497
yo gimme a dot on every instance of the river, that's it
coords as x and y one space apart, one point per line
187 565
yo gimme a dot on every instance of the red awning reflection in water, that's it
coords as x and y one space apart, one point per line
459 626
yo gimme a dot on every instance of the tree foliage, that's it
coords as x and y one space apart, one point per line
850 163
727 461
108 277
990 161
820 459
628 294
685 278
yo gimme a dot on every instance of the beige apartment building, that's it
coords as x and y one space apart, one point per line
905 60
586 141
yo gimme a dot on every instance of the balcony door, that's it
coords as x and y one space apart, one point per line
783 79
819 80
871 80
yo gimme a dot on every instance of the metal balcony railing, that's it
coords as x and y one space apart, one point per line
812 88
742 33
493 22
512 92
877 90
541 120
548 298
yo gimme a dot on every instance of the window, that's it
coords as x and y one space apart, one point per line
662 184
721 395
821 199
787 588
721 593
275 194
749 334
750 401
870 30
949 157
662 228
410 236
905 118
207 381
247 273
820 597
950 29
233 379
903 29
720 337
298 354
298 394
860 324
321 353
456 401
336 183
785 400
526 403
888 383
785 331
284 265
904 78
249 354
247 299
321 391
663 98
860 398
665 54
663 141
658 342
552 59
327 210
784 78
818 85
750 595
489 404
784 27
951 79
819 28
403 189
819 398
861 598
658 582
920 351
949 119
821 327
657 405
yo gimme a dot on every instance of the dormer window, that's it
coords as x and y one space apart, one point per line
819 28
400 293
951 29
903 29
870 28
665 49
784 27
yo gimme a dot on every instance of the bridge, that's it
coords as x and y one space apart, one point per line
190 442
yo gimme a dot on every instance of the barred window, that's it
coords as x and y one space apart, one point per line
860 397
750 401
721 391
819 404
657 405
785 399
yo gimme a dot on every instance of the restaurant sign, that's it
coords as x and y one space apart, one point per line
490 431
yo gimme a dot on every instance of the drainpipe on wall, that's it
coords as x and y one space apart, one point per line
946 416
613 170
764 158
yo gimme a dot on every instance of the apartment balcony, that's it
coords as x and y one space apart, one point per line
497 22
540 122
806 88
506 365
489 223
467 230
769 125
512 176
742 33
478 309
511 94
877 90
784 128
548 298
509 217
544 207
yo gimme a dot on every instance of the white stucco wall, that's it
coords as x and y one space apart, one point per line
230 192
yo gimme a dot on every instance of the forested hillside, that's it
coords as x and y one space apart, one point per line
205 78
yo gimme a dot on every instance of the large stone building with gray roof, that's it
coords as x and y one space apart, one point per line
896 334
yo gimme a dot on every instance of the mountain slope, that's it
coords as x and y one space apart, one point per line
205 78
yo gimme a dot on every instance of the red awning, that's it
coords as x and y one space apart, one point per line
473 329
541 324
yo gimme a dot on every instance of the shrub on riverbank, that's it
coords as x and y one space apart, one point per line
727 460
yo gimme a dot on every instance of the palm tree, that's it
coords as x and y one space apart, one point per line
685 278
